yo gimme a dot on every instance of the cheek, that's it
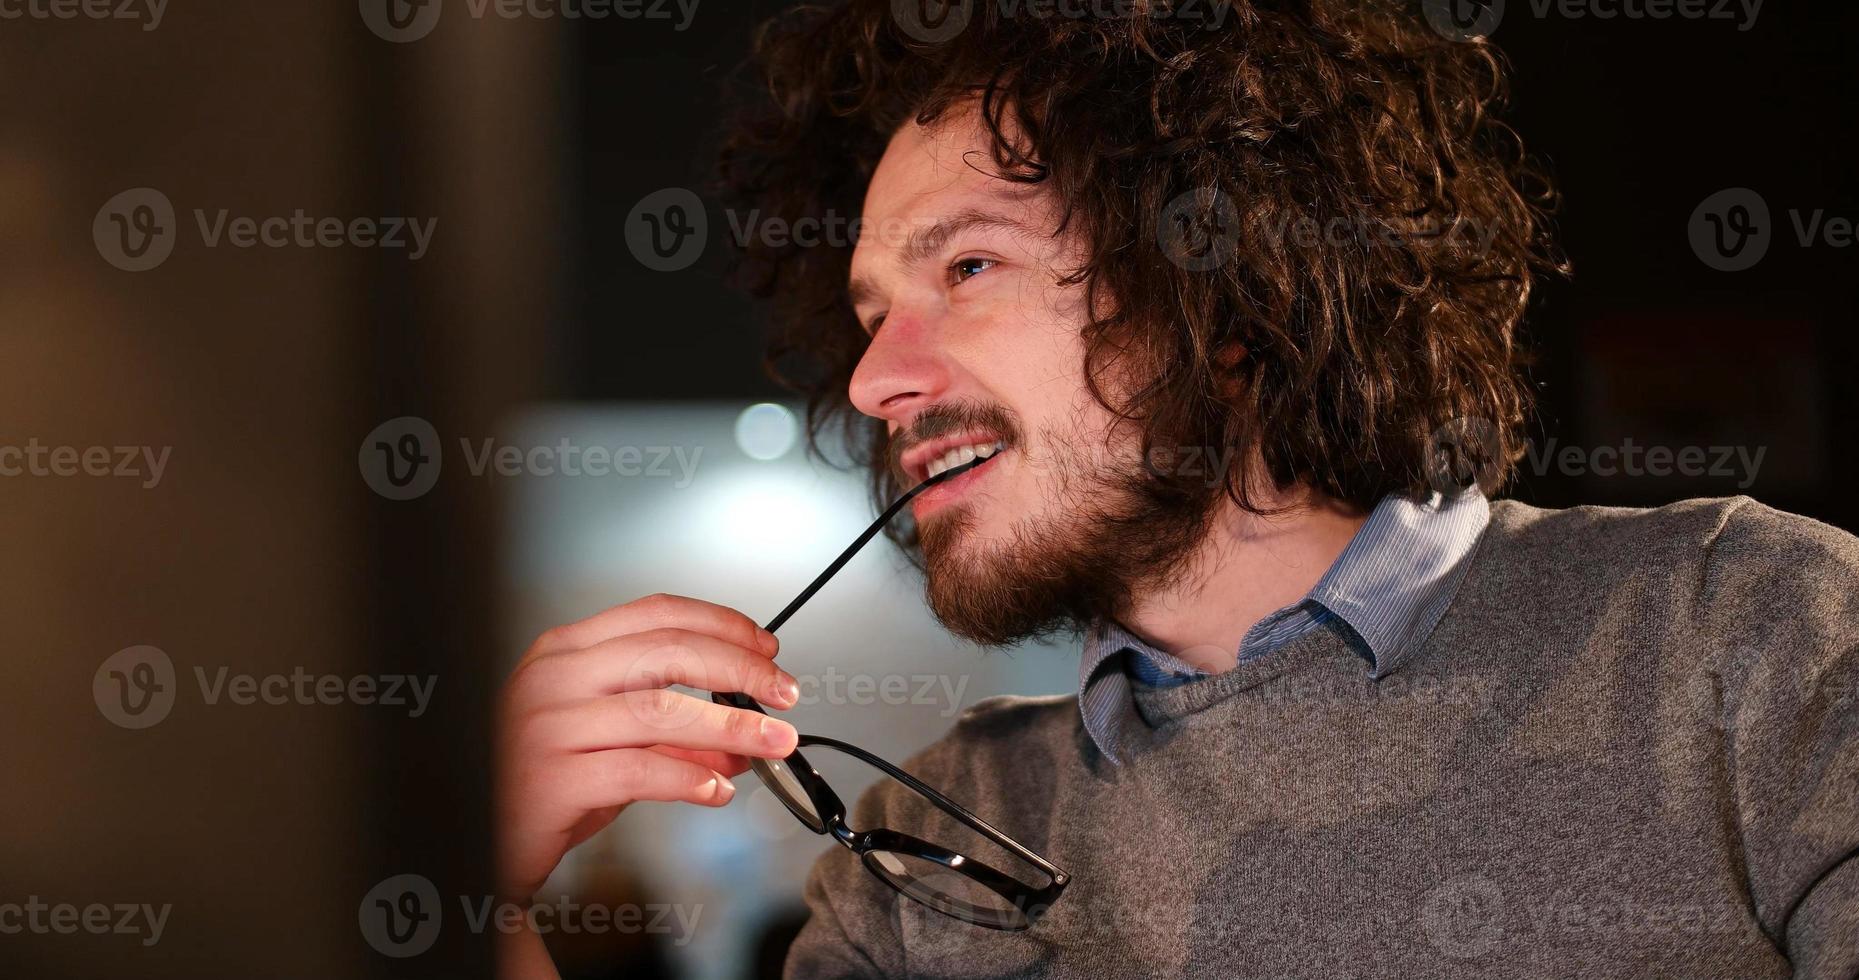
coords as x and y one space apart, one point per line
1034 350
1056 320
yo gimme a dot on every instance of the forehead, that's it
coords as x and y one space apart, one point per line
923 165
929 174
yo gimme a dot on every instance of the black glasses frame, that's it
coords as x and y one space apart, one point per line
1030 902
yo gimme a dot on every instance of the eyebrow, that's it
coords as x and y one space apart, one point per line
924 242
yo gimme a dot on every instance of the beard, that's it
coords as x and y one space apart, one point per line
1113 528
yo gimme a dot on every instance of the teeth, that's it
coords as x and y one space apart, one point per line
962 454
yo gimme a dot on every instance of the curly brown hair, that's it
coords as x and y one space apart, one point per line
1362 316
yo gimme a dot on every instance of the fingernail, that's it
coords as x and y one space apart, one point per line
725 789
785 691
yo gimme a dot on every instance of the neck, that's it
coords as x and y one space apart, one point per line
1247 568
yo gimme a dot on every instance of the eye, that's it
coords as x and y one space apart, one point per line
876 322
963 269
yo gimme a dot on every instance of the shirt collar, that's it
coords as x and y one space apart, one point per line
1391 584
1399 573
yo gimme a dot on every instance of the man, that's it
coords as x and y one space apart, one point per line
1234 308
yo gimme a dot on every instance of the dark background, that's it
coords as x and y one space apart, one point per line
531 141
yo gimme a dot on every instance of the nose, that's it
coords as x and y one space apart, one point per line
902 371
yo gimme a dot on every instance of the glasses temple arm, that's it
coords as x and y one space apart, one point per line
870 532
820 580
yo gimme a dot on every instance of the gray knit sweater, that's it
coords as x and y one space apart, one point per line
1630 749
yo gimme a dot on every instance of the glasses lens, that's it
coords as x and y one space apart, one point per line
779 778
945 890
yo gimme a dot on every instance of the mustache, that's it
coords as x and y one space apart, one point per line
937 421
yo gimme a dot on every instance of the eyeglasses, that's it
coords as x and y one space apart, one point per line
946 880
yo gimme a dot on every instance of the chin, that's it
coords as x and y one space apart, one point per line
947 543
981 590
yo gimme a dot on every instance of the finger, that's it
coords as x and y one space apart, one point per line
661 658
620 776
636 719
658 612
727 763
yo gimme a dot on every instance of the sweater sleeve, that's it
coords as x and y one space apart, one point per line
1787 590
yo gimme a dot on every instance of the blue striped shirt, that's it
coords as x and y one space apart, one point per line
1390 586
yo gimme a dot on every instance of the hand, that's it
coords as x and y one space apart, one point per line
587 725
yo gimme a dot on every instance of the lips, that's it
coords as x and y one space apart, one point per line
934 456
953 484
959 455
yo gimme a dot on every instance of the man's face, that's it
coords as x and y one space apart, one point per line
977 345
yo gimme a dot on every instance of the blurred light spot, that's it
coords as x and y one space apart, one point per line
773 514
765 431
